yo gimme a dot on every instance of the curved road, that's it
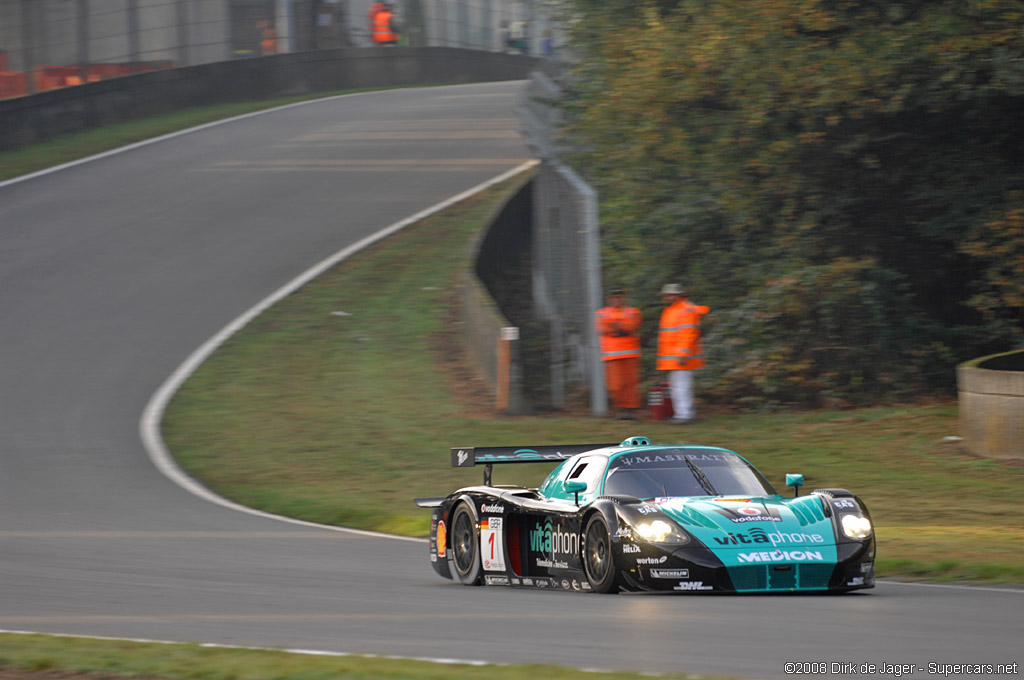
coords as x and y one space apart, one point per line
113 271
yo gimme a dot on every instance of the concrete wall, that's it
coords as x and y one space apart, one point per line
991 393
32 119
481 315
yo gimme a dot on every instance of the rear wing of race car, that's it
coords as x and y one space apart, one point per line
468 456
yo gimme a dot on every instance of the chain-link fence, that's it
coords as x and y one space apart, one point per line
525 26
55 43
566 252
50 43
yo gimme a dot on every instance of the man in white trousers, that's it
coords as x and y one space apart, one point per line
679 348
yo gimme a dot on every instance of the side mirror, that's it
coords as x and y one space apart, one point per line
795 481
575 486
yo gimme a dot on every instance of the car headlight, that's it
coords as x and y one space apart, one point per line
855 526
660 531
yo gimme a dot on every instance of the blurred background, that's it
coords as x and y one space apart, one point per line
57 43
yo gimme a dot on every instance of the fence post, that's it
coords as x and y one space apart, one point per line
28 44
183 32
82 24
132 12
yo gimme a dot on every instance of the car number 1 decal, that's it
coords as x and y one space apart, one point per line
492 547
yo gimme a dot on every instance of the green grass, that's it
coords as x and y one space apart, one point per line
71 147
344 419
43 654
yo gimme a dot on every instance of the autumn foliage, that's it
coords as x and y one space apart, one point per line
842 182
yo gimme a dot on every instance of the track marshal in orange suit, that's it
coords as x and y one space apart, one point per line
679 348
618 327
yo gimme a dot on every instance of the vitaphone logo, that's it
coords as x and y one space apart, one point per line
758 535
544 538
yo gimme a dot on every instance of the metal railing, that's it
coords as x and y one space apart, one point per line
567 249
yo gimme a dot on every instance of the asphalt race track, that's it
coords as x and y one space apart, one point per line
112 272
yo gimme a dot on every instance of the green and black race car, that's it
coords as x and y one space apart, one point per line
636 516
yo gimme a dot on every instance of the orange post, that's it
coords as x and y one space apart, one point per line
504 361
509 334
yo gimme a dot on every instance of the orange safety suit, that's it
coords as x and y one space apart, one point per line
383 31
617 327
374 8
620 350
679 336
268 45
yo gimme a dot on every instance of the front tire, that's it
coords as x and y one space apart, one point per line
466 545
598 563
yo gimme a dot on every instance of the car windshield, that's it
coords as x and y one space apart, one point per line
683 472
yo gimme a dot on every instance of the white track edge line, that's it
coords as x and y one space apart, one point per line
204 126
149 424
214 645
307 652
161 138
1011 587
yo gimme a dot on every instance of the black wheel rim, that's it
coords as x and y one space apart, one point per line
464 543
598 553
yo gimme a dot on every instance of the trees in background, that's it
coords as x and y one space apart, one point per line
841 181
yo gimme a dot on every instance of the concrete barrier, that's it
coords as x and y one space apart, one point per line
482 318
36 118
991 393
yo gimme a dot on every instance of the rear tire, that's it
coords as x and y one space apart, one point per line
465 545
598 562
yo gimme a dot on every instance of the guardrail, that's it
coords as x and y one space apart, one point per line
42 116
991 393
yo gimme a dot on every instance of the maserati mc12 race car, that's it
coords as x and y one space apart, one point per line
641 517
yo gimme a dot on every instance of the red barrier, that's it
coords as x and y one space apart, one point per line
50 77
13 84
101 71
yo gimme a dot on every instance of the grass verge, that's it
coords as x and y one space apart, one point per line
344 418
43 656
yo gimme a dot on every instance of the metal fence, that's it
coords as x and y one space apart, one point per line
56 43
567 250
526 26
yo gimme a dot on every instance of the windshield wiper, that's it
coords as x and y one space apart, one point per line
701 477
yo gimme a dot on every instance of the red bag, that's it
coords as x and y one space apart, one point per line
659 402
